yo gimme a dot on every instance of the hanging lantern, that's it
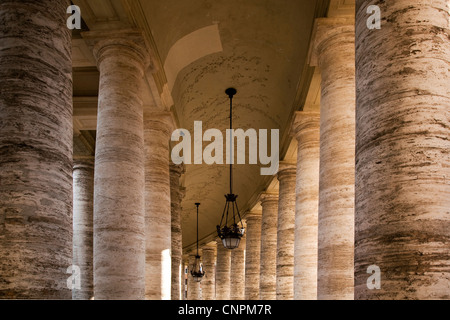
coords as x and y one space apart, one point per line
231 234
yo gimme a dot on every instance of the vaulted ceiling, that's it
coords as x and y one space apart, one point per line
199 49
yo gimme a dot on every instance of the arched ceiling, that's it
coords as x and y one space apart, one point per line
259 47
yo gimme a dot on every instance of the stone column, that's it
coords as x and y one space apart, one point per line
334 53
119 233
83 224
306 129
237 291
36 134
176 196
268 266
209 280
252 255
403 151
285 231
223 269
184 276
158 128
194 289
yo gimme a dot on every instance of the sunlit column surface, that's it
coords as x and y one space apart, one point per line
403 151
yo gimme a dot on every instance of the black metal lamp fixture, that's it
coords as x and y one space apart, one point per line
231 235
197 270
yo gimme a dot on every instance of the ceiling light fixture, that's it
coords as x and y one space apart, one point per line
231 235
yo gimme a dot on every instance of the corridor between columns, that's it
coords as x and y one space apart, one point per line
94 203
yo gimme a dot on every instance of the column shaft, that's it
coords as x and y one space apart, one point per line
36 132
157 206
83 224
268 267
285 232
176 195
252 256
403 151
119 238
237 287
223 269
209 280
335 47
307 132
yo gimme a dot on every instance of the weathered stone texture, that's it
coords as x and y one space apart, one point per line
403 150
334 50
119 221
176 196
285 232
223 272
268 256
307 132
252 256
209 280
237 289
35 150
158 129
83 224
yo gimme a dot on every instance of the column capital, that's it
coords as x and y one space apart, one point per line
193 253
84 163
252 215
287 170
159 121
303 121
326 29
211 246
267 197
180 194
177 169
128 43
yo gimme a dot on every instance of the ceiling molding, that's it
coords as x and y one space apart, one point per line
103 14
81 54
341 8
136 14
85 114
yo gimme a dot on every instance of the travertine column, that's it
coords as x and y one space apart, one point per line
83 224
223 269
119 233
285 231
194 290
306 129
252 255
237 281
403 151
334 53
209 280
158 128
184 276
176 196
268 266
35 150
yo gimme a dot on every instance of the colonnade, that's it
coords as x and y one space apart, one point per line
370 186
